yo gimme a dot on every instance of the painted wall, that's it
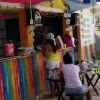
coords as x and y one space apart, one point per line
22 77
87 31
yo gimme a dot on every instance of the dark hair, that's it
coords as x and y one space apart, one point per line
51 42
67 59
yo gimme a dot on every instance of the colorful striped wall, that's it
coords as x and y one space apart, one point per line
22 77
87 52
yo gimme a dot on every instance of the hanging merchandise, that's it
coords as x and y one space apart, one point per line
37 17
87 1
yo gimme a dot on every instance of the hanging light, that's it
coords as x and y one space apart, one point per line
98 1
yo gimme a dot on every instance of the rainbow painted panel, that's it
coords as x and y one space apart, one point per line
21 78
87 52
1 85
24 77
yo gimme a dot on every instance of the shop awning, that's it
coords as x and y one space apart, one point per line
14 5
52 6
77 5
22 1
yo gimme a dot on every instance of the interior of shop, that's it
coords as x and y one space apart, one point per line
9 30
53 21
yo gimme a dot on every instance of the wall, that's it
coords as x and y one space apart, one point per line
97 32
87 31
21 77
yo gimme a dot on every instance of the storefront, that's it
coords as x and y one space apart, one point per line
23 76
18 82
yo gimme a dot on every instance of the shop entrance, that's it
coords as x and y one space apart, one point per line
54 22
13 32
9 30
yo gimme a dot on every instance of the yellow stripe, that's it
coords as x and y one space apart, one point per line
9 9
82 53
55 3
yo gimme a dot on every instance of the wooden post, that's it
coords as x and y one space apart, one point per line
26 38
79 43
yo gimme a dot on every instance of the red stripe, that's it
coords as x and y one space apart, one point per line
22 1
1 86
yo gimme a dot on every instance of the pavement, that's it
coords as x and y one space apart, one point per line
94 95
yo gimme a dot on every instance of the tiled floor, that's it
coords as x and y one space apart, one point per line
94 95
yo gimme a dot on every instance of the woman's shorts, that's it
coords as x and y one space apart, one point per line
79 90
52 64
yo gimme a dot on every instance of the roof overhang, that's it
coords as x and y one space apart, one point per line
22 1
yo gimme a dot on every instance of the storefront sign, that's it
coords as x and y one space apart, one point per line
87 31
